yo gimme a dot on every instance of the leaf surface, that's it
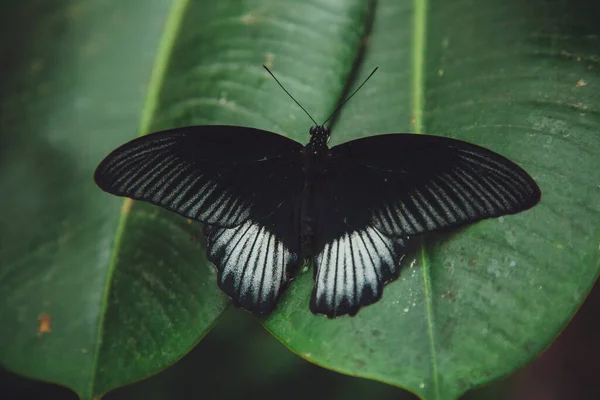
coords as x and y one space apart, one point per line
98 292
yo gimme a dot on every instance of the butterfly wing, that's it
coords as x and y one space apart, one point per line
352 268
411 184
243 183
220 175
256 259
380 190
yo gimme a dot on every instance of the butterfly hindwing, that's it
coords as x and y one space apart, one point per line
412 184
256 259
351 270
220 175
352 258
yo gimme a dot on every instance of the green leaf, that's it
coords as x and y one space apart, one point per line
92 297
126 291
98 292
520 78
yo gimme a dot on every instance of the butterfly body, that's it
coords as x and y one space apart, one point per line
314 167
269 203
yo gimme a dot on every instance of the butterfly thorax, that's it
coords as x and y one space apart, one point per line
315 153
319 136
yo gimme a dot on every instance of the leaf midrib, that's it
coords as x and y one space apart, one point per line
171 29
418 102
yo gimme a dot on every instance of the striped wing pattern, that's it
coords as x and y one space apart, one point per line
156 172
352 269
475 187
254 264
199 174
421 183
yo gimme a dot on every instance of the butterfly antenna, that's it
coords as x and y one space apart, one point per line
288 93
349 97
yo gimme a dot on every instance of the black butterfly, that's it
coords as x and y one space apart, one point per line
269 203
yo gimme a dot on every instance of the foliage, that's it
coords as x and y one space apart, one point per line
98 293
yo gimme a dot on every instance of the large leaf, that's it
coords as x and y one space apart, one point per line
520 78
95 292
127 294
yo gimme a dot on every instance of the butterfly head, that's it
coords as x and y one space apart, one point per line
319 136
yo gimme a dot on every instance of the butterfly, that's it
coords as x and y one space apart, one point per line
269 203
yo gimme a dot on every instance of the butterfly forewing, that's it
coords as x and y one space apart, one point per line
220 175
412 184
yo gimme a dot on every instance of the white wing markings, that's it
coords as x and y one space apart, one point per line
252 264
352 270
